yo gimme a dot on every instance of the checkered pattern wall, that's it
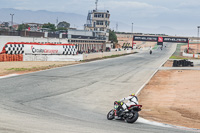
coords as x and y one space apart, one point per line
40 49
14 48
69 50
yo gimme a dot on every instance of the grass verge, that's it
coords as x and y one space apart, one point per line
155 47
33 68
178 57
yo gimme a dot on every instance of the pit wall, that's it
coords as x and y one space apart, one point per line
23 57
52 57
104 54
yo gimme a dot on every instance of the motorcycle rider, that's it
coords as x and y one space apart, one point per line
132 100
150 50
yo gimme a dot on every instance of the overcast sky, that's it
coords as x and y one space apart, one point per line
180 16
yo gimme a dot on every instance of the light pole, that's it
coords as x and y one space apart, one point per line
132 36
132 28
12 19
198 39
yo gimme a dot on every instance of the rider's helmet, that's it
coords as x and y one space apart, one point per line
133 94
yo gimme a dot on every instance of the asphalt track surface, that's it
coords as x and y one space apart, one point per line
76 99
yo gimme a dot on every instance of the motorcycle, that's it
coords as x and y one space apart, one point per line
118 113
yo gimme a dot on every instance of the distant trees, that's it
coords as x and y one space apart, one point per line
63 25
50 26
112 36
23 27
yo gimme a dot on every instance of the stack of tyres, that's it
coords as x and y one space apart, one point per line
17 57
4 57
175 63
21 57
182 63
14 57
1 59
11 57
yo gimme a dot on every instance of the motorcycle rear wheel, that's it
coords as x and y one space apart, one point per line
111 115
133 118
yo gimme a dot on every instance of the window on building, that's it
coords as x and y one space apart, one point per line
101 29
99 22
106 23
99 15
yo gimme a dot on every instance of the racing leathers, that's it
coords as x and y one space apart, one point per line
132 100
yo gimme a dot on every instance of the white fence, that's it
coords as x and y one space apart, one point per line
191 55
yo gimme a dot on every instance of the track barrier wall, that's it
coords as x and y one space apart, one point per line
20 51
53 57
104 54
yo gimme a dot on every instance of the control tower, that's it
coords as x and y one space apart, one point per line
98 21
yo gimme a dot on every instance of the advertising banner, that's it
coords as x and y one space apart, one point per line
145 38
174 39
160 39
40 49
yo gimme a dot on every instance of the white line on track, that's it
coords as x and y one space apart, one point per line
7 76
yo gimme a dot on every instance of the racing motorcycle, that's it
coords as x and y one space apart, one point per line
118 113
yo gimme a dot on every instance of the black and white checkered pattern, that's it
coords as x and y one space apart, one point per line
14 48
69 50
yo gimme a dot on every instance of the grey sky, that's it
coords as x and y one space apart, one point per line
179 15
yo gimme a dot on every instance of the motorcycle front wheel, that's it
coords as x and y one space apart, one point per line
111 115
132 117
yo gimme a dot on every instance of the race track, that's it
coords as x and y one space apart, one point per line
76 99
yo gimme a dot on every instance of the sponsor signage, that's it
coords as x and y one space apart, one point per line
39 50
43 49
174 39
160 39
145 38
36 48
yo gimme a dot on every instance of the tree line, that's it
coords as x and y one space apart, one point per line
52 27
